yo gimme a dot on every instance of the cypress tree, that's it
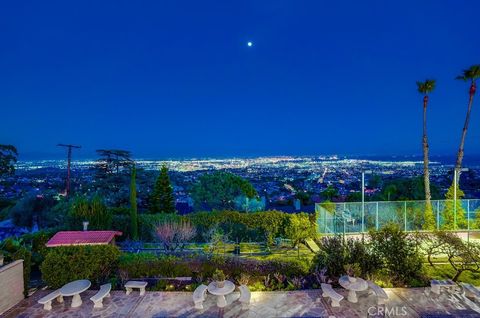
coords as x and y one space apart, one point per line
448 213
162 200
133 205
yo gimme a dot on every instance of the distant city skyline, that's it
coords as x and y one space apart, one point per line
169 79
81 159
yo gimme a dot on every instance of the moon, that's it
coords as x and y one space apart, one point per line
249 44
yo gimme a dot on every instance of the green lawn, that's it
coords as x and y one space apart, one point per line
258 251
445 271
286 252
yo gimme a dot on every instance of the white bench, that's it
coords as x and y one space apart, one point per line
46 301
334 296
245 296
102 293
471 290
377 290
199 296
130 285
437 284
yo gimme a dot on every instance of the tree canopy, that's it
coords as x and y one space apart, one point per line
112 161
8 158
162 199
219 190
426 87
472 73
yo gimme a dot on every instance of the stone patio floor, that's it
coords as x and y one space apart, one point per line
402 302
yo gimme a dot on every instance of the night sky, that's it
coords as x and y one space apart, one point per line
177 78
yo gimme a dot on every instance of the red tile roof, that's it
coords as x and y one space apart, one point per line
66 238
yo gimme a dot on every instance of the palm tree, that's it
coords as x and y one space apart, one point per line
426 88
471 74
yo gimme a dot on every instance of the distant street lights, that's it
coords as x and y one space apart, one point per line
363 197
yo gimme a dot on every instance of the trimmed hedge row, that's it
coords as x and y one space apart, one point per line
267 224
143 265
68 263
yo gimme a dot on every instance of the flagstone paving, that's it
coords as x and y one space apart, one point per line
402 302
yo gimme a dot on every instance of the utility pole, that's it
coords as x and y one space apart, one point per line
69 160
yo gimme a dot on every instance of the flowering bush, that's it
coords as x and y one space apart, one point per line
174 235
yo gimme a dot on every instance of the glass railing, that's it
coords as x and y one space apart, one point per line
358 217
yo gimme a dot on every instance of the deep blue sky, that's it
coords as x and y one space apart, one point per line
176 78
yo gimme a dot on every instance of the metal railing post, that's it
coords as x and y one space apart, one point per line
363 202
455 199
405 214
376 216
468 221
438 214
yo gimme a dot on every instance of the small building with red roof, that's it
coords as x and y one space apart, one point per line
70 238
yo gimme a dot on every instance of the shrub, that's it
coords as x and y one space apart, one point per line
175 235
398 253
148 222
332 256
121 223
143 265
359 252
119 210
67 263
237 232
337 254
218 275
94 211
36 244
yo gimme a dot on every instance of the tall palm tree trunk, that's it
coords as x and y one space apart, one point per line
426 171
458 164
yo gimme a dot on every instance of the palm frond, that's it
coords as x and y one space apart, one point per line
472 73
426 87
